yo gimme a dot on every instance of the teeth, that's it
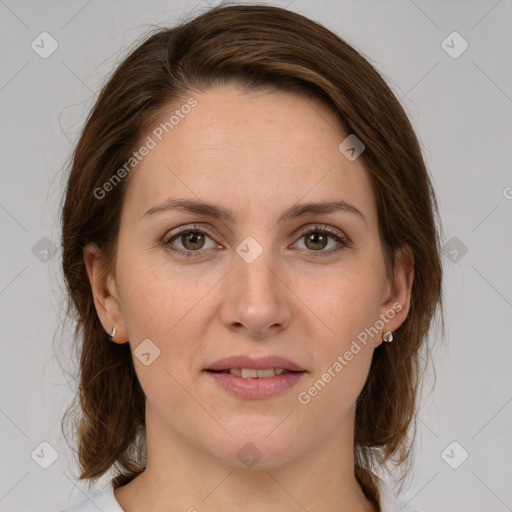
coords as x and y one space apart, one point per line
266 373
251 373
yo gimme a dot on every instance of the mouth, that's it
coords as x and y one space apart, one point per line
255 384
248 364
255 377
255 373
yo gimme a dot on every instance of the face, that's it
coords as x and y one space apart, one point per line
303 287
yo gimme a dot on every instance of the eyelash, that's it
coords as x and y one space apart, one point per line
344 242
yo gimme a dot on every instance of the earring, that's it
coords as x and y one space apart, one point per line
387 337
112 334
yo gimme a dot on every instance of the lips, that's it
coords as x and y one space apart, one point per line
254 363
255 387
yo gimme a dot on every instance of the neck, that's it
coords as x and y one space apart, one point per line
181 476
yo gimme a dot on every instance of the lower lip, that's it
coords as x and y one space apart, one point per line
256 387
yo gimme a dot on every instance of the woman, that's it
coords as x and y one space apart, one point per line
250 246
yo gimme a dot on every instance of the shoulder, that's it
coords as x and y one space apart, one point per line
102 499
388 501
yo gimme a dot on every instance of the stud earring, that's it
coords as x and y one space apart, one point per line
387 337
112 334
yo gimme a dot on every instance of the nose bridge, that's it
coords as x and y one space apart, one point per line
256 296
255 265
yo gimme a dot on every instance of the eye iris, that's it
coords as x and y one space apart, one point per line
193 238
316 237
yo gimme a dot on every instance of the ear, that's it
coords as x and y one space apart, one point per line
105 294
396 299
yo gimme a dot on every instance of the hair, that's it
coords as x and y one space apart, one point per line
252 47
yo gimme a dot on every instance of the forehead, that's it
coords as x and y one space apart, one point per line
268 147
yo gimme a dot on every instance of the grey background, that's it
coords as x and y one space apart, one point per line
461 109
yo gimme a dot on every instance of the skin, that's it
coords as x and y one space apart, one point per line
257 154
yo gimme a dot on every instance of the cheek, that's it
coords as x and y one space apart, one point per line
162 305
154 296
159 307
332 391
347 305
344 360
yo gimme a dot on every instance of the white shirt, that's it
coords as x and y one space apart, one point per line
104 500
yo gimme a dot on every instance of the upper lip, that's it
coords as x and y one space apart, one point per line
258 363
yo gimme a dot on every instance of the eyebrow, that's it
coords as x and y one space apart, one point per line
211 210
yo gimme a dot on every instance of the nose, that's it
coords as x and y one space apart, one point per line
256 298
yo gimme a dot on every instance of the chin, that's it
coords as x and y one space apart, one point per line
256 449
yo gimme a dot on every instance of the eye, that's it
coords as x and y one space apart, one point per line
193 241
316 239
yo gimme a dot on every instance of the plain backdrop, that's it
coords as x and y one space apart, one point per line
460 103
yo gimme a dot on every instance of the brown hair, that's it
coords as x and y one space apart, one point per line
251 46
